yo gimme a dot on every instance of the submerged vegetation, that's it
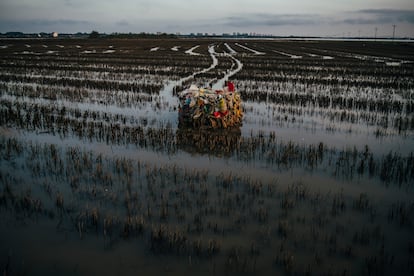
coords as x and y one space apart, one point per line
318 179
176 211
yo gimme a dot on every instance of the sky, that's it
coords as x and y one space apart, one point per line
335 18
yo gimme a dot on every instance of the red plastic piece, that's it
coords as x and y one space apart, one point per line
231 86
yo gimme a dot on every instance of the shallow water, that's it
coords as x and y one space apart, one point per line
294 190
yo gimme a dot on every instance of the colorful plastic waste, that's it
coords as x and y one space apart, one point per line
206 108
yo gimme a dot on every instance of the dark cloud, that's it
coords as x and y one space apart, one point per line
360 17
382 16
273 20
365 21
122 23
38 25
402 14
69 3
43 22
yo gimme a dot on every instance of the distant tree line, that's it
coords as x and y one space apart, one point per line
96 34
141 35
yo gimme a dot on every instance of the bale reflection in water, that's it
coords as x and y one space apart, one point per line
219 142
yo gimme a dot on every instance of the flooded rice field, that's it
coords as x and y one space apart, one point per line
97 176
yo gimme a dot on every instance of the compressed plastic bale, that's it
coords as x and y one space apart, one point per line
204 108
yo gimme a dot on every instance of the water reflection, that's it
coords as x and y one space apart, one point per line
218 142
